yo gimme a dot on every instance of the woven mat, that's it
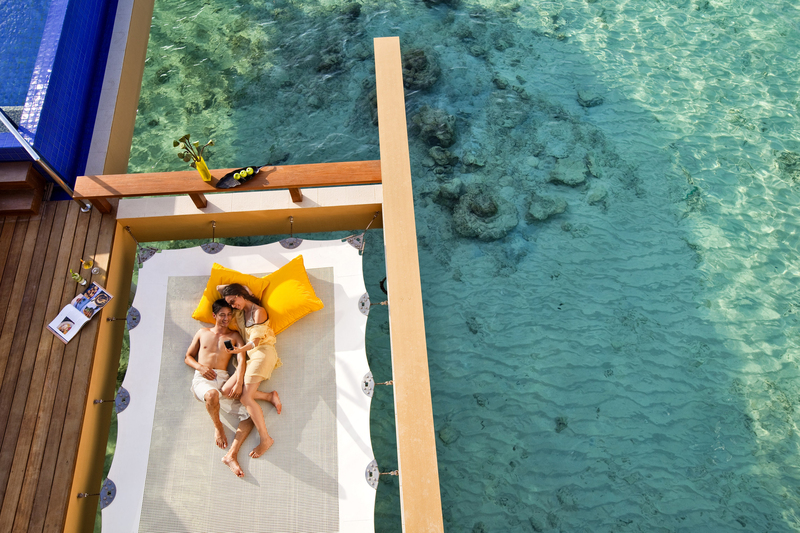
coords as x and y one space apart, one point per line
294 486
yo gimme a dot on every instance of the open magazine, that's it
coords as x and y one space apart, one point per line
78 312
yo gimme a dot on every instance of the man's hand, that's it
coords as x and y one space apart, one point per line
207 372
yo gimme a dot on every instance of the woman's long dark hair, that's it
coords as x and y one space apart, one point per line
234 289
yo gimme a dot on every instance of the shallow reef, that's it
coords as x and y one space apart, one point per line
605 196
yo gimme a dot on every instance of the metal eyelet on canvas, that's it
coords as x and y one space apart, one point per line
372 474
145 253
107 493
364 304
290 243
123 400
212 247
356 241
368 384
133 318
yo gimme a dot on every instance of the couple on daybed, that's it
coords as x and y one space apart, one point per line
211 351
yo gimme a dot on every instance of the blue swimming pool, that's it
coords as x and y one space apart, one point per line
606 195
55 76
21 29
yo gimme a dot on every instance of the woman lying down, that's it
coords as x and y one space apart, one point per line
252 321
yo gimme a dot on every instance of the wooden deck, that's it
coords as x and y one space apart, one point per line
44 382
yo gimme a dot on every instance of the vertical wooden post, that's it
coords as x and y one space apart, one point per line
420 501
199 200
102 205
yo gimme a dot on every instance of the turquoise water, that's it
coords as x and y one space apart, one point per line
628 363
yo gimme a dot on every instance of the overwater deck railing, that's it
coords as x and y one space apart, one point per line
99 189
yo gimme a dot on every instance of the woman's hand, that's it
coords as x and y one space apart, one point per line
235 392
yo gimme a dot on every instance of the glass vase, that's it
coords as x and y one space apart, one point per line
203 169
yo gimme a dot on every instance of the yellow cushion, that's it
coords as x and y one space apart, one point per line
290 296
225 276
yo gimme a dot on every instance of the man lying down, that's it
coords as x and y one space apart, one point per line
209 357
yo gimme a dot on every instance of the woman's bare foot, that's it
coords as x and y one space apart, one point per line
220 438
276 401
233 464
259 450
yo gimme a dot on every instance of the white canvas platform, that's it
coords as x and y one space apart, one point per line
167 470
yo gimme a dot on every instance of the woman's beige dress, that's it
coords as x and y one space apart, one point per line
262 359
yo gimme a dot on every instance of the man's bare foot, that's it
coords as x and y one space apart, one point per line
233 464
220 438
259 450
276 401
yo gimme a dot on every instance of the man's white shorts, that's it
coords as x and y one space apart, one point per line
201 385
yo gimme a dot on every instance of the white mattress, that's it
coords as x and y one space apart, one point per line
167 471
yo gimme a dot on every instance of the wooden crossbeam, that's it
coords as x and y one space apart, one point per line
98 189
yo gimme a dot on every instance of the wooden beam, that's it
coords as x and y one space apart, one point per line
297 195
101 205
420 501
130 85
188 182
251 213
199 200
115 255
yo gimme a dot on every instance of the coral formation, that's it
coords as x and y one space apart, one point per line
483 215
569 171
557 138
420 69
597 194
448 435
543 207
789 165
441 156
436 126
589 97
449 193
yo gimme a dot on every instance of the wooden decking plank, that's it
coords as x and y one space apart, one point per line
65 355
74 402
7 234
7 284
18 290
22 356
33 483
25 466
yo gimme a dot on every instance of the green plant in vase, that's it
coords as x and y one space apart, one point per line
77 278
192 153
